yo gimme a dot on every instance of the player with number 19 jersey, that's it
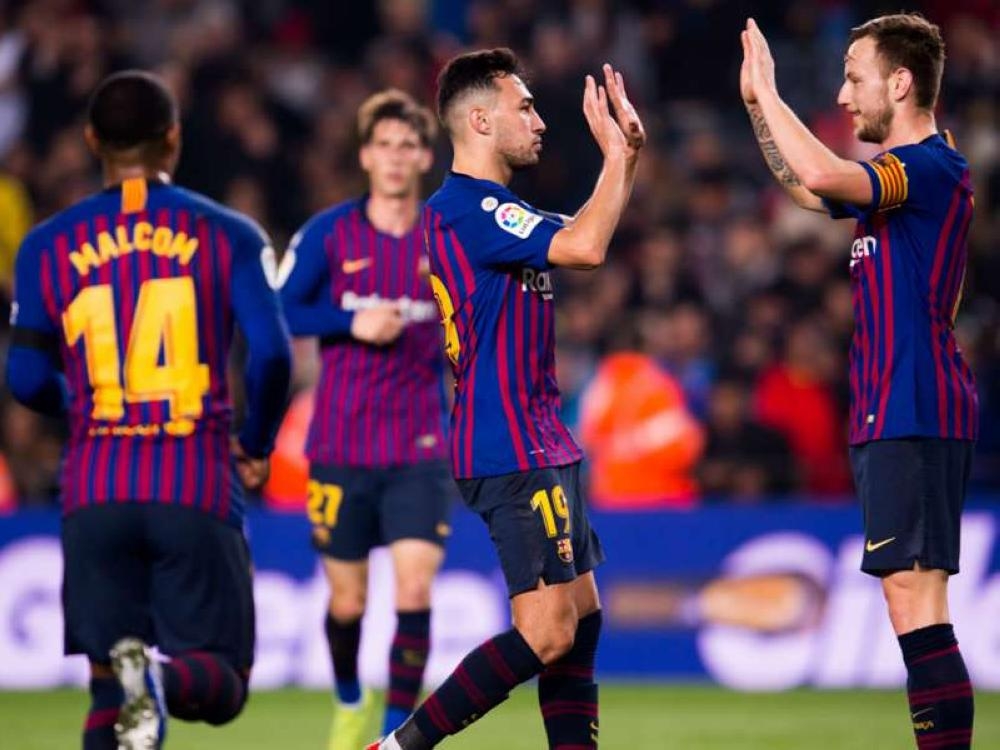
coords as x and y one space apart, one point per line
491 278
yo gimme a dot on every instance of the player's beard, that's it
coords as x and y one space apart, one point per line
519 156
875 128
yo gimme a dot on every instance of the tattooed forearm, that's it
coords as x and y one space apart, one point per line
775 161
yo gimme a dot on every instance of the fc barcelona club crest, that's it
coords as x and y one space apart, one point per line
564 547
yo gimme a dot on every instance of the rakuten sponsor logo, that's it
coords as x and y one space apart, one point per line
537 282
412 310
861 248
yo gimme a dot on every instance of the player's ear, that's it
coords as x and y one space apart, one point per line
365 157
479 120
900 84
91 139
426 159
173 139
172 143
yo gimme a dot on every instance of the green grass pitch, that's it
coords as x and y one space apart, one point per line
633 717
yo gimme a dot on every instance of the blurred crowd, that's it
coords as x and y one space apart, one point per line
739 302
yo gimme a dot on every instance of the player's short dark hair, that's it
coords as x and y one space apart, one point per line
131 108
393 104
908 40
473 71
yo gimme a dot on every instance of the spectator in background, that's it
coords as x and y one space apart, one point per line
744 460
33 447
642 441
15 221
13 105
795 398
680 340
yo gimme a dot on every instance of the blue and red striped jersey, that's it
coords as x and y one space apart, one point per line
140 285
908 377
492 280
376 406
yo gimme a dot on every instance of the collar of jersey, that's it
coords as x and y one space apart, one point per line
151 182
453 175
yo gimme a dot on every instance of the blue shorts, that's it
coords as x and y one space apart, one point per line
538 522
172 576
354 509
912 492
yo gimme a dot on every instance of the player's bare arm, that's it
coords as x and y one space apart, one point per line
792 152
620 135
772 155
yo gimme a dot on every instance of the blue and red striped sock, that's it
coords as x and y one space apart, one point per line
567 693
407 661
106 696
202 686
940 693
482 681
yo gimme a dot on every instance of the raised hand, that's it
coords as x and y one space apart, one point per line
759 63
606 132
618 131
746 81
625 114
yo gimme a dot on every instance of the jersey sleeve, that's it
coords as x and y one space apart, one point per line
506 232
33 367
904 175
258 314
838 210
303 277
28 311
900 176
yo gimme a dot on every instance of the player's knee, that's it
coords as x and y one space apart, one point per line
413 595
348 608
550 639
913 601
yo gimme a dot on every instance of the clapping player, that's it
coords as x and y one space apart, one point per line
914 409
516 464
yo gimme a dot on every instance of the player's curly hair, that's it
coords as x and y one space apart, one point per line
393 104
908 40
473 71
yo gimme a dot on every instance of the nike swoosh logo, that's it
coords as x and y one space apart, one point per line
355 265
918 713
872 546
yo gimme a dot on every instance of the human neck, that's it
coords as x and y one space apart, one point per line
115 174
481 166
912 129
391 214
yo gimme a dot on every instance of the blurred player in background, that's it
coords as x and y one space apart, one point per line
516 463
914 409
356 277
133 293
